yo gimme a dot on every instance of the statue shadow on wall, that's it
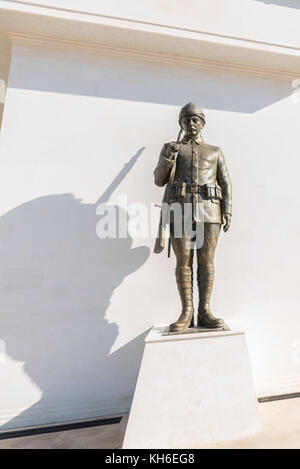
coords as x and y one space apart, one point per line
57 281
284 3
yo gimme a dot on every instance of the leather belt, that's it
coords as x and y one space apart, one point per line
196 189
207 191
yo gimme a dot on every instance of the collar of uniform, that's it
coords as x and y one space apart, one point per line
187 139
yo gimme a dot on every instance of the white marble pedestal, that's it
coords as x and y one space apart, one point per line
193 389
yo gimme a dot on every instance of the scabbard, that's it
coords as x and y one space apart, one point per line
169 247
197 215
160 239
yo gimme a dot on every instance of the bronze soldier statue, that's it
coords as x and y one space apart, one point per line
195 174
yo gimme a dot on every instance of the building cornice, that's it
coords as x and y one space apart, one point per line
65 28
131 23
25 40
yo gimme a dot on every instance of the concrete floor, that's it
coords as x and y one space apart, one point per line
280 419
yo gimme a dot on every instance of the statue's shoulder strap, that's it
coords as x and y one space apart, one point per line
172 173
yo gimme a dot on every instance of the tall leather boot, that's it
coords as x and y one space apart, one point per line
184 280
205 278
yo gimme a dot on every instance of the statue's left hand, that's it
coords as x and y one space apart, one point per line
226 221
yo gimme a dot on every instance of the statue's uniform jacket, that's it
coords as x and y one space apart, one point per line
197 164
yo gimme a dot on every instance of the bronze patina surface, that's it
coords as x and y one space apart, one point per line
196 330
196 176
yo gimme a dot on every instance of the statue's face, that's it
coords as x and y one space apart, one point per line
191 125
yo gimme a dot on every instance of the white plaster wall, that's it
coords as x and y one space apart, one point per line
4 69
75 309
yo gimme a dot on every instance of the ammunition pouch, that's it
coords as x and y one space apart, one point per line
177 189
213 191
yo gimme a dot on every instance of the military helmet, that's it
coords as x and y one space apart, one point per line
190 109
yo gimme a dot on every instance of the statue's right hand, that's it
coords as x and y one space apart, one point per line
171 149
